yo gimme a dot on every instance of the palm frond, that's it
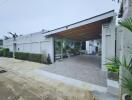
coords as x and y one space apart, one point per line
127 23
127 84
117 0
129 66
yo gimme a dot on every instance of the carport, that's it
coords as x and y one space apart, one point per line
98 27
86 67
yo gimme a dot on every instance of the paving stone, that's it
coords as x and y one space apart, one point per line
86 68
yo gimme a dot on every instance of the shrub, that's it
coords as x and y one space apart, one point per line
49 60
10 55
17 55
22 55
35 57
1 52
74 51
5 52
127 84
30 57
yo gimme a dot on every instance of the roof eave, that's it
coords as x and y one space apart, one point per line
83 22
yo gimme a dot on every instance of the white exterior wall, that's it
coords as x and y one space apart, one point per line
108 42
127 7
32 43
8 44
126 35
125 39
125 45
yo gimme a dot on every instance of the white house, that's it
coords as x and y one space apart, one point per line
113 40
100 27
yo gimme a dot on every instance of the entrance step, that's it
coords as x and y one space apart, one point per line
104 96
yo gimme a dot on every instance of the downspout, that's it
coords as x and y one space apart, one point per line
115 42
62 48
54 48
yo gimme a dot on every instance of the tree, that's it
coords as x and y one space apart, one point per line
127 23
117 0
6 37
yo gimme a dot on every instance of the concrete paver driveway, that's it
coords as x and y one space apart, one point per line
86 68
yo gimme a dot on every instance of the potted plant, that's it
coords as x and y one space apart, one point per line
113 65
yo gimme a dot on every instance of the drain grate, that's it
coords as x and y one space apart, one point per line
3 71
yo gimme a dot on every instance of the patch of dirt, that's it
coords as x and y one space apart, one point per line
11 90
21 83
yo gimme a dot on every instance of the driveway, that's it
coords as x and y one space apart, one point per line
25 80
86 68
22 82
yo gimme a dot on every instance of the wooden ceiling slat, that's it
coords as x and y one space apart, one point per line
91 32
82 28
82 37
85 32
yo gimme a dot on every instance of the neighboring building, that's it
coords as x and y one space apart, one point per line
93 46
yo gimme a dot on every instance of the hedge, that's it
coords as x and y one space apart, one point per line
35 57
26 56
22 55
5 52
1 52
30 57
10 55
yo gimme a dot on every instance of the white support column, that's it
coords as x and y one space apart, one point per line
52 49
103 48
108 42
62 48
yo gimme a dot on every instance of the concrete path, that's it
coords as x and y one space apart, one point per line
86 68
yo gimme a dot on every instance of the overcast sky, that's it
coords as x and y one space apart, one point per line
28 16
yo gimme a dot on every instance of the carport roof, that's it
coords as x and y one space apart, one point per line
87 29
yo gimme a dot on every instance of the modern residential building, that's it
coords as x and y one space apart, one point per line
101 27
96 35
